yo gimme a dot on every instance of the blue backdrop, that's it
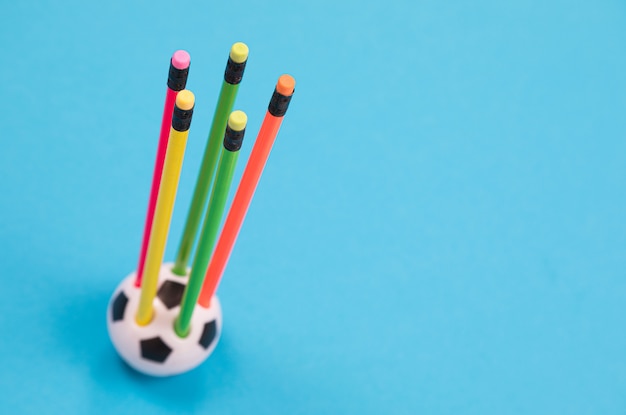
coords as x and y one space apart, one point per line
439 229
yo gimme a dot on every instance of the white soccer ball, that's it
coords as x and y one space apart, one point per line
156 349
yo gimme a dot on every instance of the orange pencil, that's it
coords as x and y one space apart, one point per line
251 175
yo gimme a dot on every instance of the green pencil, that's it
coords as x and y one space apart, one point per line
233 139
232 78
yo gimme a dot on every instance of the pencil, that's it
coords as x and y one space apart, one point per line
233 75
181 120
233 139
176 81
252 173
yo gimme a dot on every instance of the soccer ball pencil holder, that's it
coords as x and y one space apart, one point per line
165 319
155 349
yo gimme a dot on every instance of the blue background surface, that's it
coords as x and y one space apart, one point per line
439 229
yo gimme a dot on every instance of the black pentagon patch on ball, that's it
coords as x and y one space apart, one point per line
208 334
155 349
171 293
119 306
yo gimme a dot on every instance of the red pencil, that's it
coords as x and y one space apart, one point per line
249 180
176 81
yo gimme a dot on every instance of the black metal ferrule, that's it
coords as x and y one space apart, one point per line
181 119
279 104
177 78
234 71
233 139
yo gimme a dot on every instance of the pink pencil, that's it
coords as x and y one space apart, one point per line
176 81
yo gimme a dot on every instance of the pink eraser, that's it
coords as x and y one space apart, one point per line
181 59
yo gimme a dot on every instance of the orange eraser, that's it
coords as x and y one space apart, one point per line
285 85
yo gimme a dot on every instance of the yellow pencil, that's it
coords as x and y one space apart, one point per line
181 120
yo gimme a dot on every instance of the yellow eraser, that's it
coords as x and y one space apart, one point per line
239 52
237 120
185 100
